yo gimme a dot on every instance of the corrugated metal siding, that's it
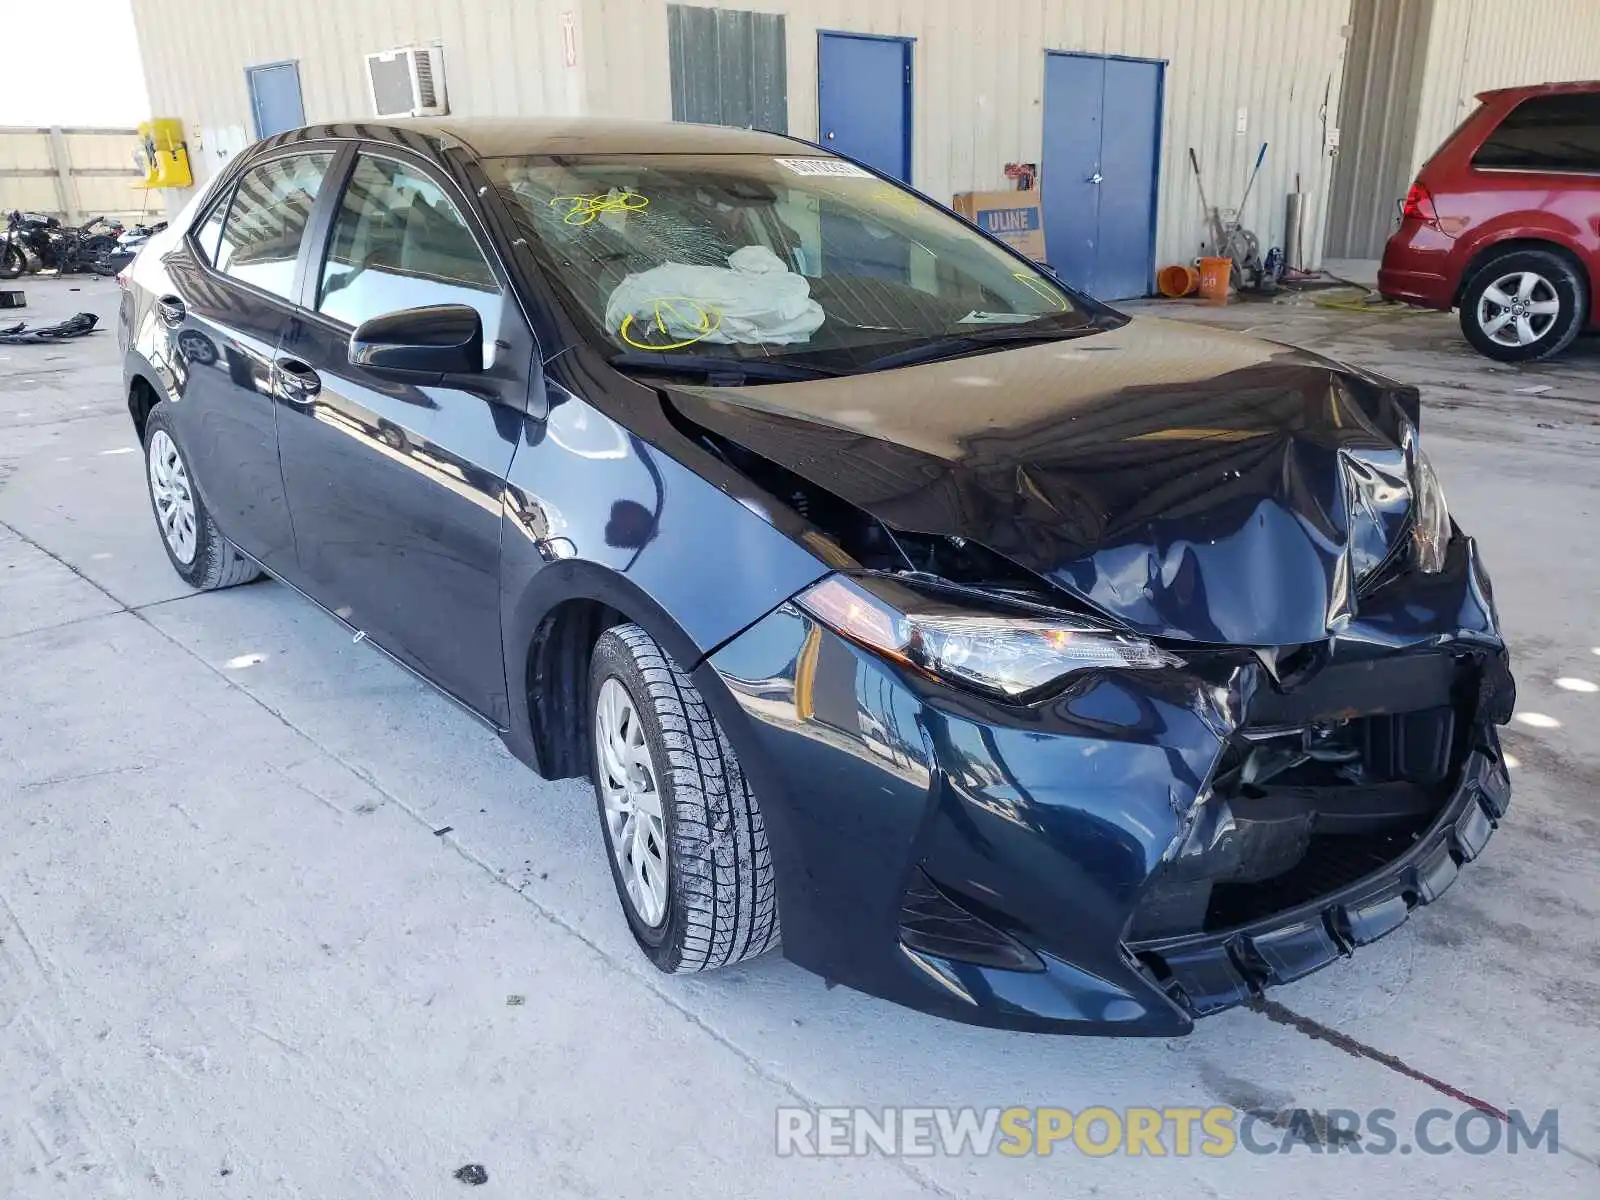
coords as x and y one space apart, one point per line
101 173
1383 76
1476 45
728 67
501 57
978 72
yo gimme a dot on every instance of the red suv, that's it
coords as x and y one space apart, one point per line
1503 223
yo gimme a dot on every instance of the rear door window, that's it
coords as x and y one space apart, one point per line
268 217
1546 133
399 242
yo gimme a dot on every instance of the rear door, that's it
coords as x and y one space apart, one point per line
395 488
1540 168
234 298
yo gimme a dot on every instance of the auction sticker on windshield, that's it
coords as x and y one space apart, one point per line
835 167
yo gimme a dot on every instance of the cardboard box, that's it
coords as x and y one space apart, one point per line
1012 217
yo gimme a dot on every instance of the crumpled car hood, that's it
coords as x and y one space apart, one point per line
1193 484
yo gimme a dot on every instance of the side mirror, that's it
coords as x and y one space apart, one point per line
416 344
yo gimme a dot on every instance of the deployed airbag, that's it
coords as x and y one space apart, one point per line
754 300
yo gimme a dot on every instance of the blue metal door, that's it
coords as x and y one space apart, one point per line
1129 154
275 98
1102 130
864 99
1074 93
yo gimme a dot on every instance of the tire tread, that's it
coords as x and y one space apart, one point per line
721 862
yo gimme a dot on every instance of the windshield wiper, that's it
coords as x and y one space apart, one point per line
972 343
719 371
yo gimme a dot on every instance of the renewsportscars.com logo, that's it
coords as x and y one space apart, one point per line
1156 1132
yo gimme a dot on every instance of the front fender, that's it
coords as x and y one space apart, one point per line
594 512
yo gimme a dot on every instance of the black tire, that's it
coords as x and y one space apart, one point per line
217 563
722 903
1560 281
13 262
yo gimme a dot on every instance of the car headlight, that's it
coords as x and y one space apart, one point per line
1004 654
1430 516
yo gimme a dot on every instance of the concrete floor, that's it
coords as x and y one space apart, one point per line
237 959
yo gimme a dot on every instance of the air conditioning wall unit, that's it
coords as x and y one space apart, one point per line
408 82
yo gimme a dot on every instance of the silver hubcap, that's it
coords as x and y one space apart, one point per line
169 486
632 801
1518 309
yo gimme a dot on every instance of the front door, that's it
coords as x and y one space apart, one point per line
1102 134
230 320
864 100
395 489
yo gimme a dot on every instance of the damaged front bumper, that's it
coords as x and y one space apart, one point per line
1015 865
1204 973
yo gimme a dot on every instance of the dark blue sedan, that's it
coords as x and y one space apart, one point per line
1006 657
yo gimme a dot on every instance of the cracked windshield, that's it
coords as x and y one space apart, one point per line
740 258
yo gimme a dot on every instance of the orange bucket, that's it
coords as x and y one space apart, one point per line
1215 274
1177 280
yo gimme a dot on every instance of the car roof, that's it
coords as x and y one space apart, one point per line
497 137
1542 89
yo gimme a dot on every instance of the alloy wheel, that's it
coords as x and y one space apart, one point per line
169 487
631 796
1518 309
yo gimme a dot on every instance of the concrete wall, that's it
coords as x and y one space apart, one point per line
72 173
1475 45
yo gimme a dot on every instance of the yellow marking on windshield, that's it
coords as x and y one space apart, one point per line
893 197
581 210
693 315
1043 289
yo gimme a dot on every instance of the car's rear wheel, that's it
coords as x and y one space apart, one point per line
688 848
1524 305
199 553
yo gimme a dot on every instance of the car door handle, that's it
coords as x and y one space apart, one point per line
171 310
297 382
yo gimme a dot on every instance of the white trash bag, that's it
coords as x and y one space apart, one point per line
754 300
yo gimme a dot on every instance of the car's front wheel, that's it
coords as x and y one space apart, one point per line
688 847
1524 305
199 553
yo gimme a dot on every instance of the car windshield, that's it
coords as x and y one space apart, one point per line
804 262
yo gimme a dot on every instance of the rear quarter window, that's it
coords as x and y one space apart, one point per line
209 232
1546 133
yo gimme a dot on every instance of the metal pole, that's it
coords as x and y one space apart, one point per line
66 193
1293 231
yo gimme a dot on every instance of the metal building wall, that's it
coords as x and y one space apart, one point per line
1475 45
502 57
978 69
978 77
72 173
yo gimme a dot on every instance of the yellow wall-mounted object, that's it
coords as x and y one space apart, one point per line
165 154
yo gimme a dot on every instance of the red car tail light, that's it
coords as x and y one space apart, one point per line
1419 204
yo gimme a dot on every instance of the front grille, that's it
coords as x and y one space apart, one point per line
1311 806
1330 863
